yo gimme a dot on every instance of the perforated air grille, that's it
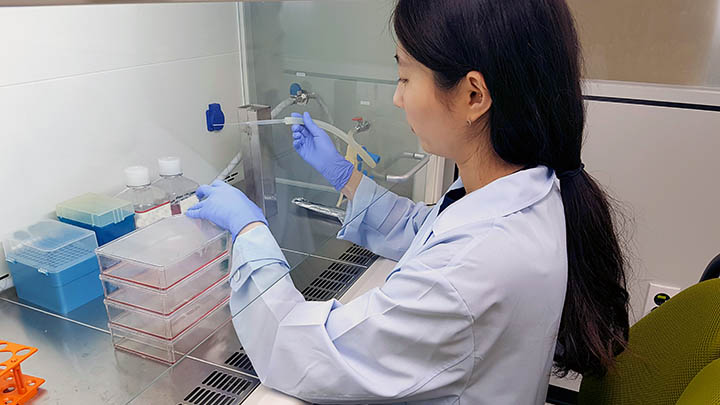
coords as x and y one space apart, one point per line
316 294
220 388
231 178
333 281
358 255
240 361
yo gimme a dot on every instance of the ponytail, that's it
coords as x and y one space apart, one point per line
594 326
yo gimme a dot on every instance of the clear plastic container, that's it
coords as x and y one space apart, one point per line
180 189
110 218
164 301
53 265
168 326
164 253
169 350
150 203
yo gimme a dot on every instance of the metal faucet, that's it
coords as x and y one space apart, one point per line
361 125
302 97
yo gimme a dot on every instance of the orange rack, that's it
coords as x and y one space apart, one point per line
15 387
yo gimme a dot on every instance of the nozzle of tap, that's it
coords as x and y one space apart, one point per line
361 125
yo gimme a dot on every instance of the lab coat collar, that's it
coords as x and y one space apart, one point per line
502 197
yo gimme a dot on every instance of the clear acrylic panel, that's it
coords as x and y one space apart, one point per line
346 67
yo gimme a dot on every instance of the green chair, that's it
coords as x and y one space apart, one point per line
673 356
703 389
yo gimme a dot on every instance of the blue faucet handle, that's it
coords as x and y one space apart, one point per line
375 157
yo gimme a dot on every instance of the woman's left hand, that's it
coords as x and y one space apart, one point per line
226 206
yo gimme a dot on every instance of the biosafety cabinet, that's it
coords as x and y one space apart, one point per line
99 87
89 88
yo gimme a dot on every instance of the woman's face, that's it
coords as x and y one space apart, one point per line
441 129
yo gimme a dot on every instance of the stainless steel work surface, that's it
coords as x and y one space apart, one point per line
80 365
92 314
78 362
76 357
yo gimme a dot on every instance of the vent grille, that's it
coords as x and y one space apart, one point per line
358 255
220 389
333 281
231 178
317 294
240 361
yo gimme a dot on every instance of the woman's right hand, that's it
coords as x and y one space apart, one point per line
315 146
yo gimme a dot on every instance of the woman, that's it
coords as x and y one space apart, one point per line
519 264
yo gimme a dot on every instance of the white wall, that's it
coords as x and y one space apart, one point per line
662 163
88 90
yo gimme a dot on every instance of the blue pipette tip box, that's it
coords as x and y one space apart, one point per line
110 218
53 265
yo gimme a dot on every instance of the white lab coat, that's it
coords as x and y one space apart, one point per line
469 315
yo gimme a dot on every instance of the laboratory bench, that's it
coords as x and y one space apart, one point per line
77 359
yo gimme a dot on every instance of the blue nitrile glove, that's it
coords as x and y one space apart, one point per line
315 146
226 206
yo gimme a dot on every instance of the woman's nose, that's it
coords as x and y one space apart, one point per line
397 98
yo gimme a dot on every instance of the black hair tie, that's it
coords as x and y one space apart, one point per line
568 174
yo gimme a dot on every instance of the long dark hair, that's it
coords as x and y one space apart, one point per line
529 54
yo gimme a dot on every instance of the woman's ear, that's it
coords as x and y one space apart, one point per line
476 96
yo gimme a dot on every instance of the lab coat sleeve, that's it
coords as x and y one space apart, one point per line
409 340
382 221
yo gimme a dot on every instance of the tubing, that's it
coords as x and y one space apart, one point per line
273 114
280 107
346 137
234 162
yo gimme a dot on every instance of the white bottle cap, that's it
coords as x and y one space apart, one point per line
169 166
136 176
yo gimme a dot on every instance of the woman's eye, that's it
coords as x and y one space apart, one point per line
401 80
